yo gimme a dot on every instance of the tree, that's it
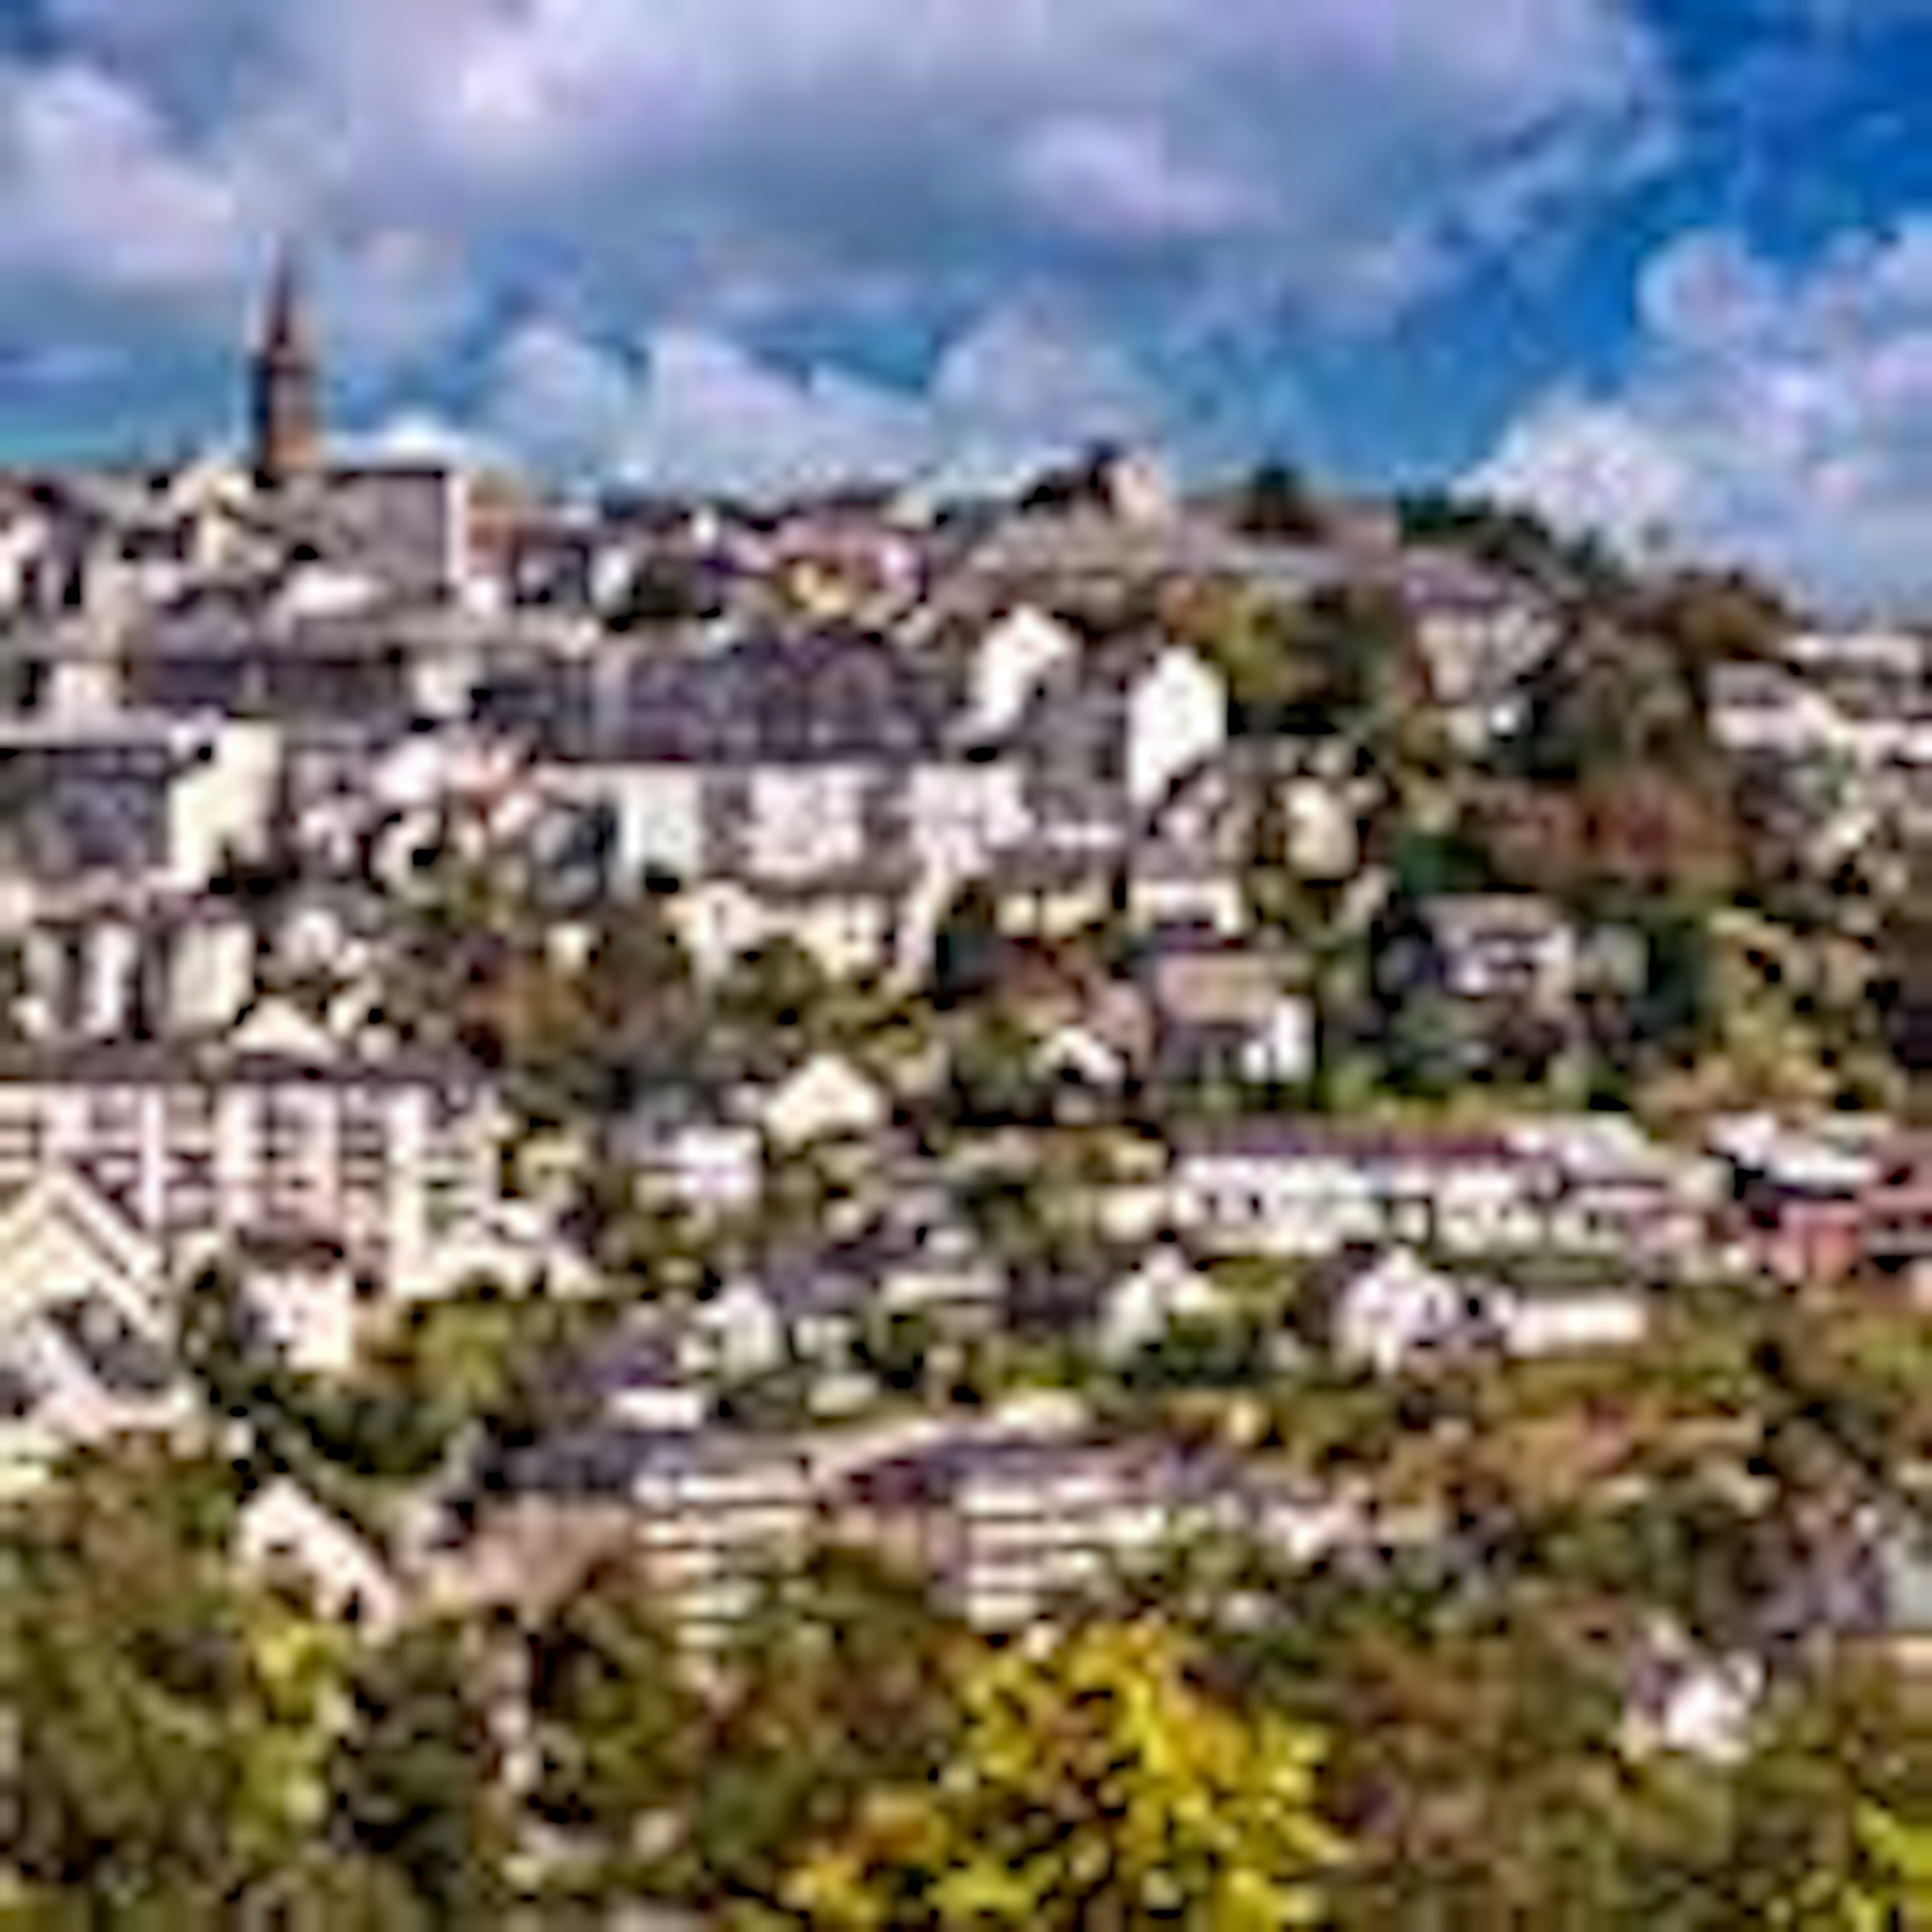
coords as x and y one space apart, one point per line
1276 501
640 1002
1711 617
1512 540
1827 1822
618 1714
1475 1763
416 1781
340 1439
968 948
1095 1783
491 1357
995 1069
838 1684
1255 642
169 1729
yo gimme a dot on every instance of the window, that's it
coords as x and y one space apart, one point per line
17 1394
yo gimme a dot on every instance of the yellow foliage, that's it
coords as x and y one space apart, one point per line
1094 1783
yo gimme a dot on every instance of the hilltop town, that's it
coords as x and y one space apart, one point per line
1234 1049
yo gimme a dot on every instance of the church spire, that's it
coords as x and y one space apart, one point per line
287 381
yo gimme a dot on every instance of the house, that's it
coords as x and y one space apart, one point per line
140 800
1535 1322
635 1380
715 1513
1177 719
1480 640
823 1297
1009 666
522 1245
1272 1186
1504 949
1167 1291
1170 884
709 1168
1797 1210
302 1295
1682 1702
718 921
950 1284
1323 829
1615 1194
827 1099
1392 1310
954 817
285 1537
86 1341
527 1556
1897 1208
1045 893
391 1157
1008 1528
1228 1010
1768 711
737 1335
660 820
847 921
707 1514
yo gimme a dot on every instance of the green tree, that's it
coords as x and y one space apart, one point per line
164 1760
837 1684
416 1781
1275 501
617 1710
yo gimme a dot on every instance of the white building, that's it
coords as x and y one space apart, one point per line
1397 1310
1167 1289
1176 718
285 1537
86 1339
390 1161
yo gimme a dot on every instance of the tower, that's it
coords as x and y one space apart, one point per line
287 400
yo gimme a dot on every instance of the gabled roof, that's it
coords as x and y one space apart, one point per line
58 1206
1284 1137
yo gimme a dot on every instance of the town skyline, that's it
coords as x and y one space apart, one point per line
1653 266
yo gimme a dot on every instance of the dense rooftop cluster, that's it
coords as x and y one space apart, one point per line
1310 1108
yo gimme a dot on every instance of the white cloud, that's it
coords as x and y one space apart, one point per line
1022 381
98 191
1601 466
1776 416
394 299
419 436
695 410
565 402
952 140
673 177
1121 179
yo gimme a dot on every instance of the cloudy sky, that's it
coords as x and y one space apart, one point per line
1664 263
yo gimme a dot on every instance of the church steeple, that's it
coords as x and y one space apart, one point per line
287 386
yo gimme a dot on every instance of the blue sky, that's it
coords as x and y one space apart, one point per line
1667 267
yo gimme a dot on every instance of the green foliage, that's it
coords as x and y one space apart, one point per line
341 1438
617 1709
1515 541
490 1357
1427 865
1275 501
174 1729
415 1782
967 948
1199 1353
